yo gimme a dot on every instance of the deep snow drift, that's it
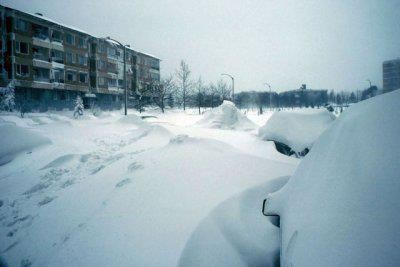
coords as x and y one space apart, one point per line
236 233
341 207
296 129
15 139
226 116
120 191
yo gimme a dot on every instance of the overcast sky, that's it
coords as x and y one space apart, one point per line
335 44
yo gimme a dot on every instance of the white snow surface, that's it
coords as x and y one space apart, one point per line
341 207
297 129
120 191
226 116
236 233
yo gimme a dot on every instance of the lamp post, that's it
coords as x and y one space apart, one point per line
267 84
125 87
233 85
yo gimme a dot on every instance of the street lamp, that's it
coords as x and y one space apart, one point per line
125 87
267 84
233 85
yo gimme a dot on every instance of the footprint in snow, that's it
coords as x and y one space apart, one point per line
45 201
123 183
134 166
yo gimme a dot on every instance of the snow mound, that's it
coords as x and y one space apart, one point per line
341 207
179 139
15 139
226 116
131 119
297 130
236 233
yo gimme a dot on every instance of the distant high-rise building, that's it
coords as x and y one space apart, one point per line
391 75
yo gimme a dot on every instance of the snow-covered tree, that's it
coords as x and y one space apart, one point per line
78 110
8 98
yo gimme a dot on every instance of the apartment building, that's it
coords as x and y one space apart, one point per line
50 63
391 75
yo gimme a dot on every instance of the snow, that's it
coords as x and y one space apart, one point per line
341 207
115 190
236 233
296 129
15 140
226 116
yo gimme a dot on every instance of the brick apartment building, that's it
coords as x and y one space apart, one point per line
50 63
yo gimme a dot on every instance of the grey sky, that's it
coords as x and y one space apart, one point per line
325 44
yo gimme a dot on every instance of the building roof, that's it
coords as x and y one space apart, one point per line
42 17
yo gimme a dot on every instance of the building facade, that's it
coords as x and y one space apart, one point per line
49 64
391 75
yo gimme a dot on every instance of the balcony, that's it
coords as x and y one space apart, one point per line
40 42
37 78
41 63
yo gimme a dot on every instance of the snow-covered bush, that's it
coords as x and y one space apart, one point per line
295 132
78 109
226 116
341 207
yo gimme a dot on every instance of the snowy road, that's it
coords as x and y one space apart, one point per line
122 191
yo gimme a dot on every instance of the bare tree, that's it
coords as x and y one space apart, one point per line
200 88
212 91
163 91
184 82
223 90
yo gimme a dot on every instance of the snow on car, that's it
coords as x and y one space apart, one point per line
294 132
341 207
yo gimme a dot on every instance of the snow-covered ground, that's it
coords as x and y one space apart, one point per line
121 191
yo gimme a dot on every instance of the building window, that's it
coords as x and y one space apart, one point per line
69 39
22 47
41 75
101 64
112 82
40 32
82 60
103 49
69 57
155 76
120 83
81 42
57 56
21 25
102 81
56 35
40 53
22 70
71 76
58 75
62 95
111 52
82 77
